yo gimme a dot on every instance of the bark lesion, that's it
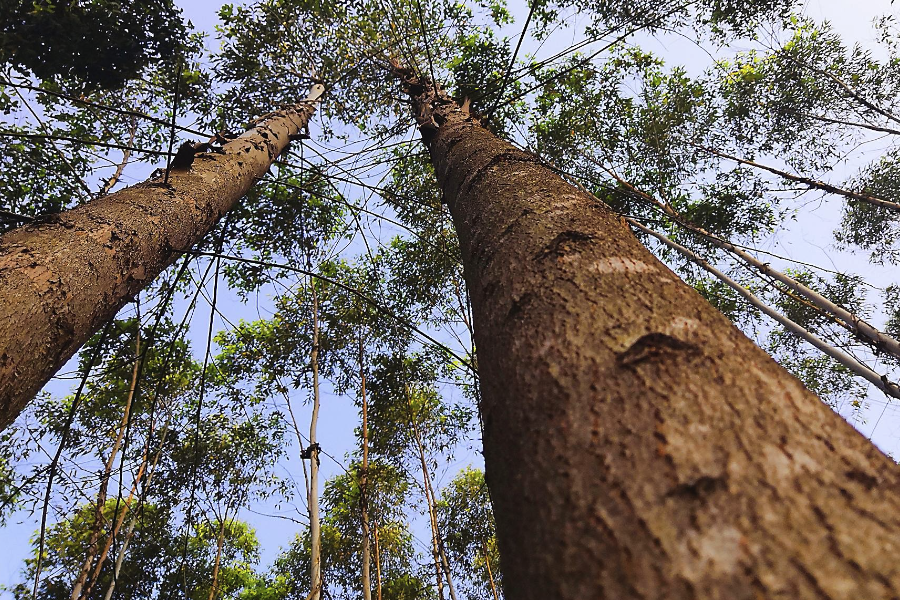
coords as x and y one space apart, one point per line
656 346
700 488
566 243
867 481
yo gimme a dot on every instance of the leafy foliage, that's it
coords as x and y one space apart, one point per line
97 43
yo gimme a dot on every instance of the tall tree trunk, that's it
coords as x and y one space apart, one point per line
93 545
440 558
490 572
134 517
220 543
120 519
61 279
637 444
377 561
315 573
365 577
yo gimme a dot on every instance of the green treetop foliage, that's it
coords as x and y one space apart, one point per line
63 145
94 43
467 523
721 17
159 563
387 498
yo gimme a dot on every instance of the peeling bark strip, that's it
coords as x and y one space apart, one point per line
637 445
62 279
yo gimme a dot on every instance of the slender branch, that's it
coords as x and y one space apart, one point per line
880 381
61 154
120 111
812 183
111 182
850 91
376 304
861 329
38 136
512 61
833 121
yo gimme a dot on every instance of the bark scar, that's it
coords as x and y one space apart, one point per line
567 242
701 487
867 481
655 346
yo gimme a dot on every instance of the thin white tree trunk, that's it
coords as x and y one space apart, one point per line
314 524
78 585
364 481
134 519
220 543
440 558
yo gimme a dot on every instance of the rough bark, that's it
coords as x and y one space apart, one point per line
61 279
637 444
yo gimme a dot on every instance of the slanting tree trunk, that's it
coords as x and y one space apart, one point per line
490 573
315 530
365 577
134 517
61 279
637 444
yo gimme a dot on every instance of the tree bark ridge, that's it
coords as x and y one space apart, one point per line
637 444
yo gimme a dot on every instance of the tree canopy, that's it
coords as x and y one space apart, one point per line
760 161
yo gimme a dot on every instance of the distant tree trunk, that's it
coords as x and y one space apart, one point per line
315 532
440 558
61 279
120 519
490 573
99 520
637 444
366 579
377 561
134 517
220 544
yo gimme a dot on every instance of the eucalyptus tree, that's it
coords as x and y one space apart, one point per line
413 426
467 520
599 370
158 446
395 562
136 233
153 568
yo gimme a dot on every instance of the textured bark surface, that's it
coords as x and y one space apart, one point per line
61 280
637 444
